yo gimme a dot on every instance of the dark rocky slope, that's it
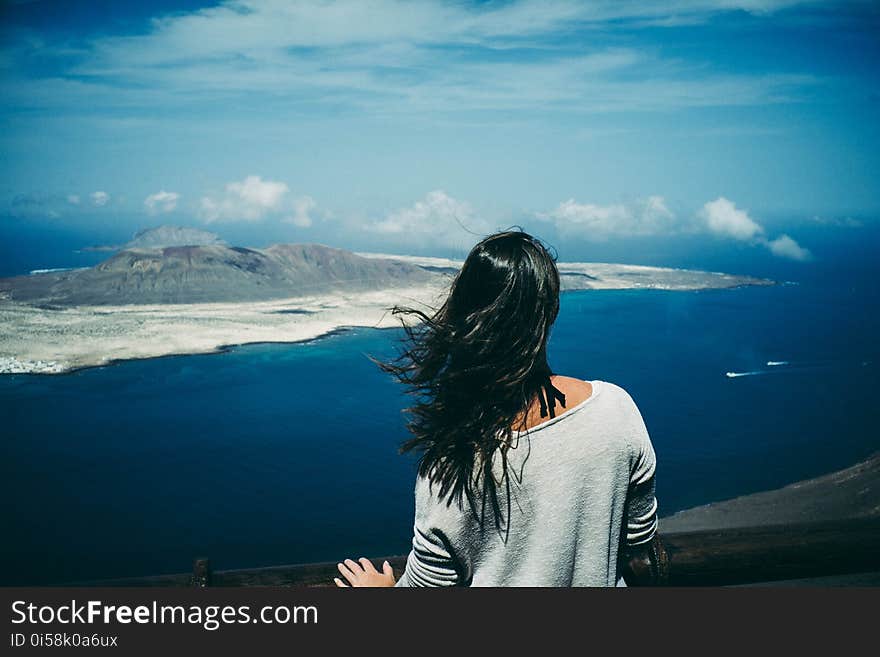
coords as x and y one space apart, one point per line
213 273
850 493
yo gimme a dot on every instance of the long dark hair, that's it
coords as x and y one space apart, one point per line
477 364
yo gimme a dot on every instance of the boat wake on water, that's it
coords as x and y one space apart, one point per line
782 366
770 363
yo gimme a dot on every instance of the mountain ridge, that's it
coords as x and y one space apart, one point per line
162 236
213 273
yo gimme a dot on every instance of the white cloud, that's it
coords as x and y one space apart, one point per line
382 56
282 23
100 198
724 218
593 222
302 208
652 217
161 202
438 219
785 247
246 200
73 199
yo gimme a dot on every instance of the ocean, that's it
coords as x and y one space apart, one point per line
271 454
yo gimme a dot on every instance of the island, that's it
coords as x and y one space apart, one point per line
157 297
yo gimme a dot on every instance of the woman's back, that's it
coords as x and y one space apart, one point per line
581 485
514 500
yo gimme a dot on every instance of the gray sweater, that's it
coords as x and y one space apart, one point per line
586 487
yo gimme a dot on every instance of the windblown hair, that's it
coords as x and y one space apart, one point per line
476 365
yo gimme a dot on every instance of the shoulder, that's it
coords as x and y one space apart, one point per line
624 406
619 411
612 394
617 392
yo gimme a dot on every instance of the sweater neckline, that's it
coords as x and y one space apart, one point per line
597 388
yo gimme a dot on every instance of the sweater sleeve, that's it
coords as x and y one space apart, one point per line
431 561
641 500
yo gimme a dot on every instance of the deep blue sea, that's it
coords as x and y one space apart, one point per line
272 454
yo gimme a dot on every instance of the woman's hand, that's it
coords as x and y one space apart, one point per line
364 574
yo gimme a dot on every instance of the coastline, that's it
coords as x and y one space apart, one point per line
56 342
608 275
220 349
52 340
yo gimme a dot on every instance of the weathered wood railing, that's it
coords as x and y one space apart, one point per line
703 558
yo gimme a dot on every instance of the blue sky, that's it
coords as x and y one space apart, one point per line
609 127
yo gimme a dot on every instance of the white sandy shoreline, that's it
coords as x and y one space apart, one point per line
39 341
49 339
11 365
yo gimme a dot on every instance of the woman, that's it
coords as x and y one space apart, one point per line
525 478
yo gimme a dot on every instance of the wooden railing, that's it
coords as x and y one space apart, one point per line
703 558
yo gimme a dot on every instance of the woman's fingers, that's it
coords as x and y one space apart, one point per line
362 573
346 573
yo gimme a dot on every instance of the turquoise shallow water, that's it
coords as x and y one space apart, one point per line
273 454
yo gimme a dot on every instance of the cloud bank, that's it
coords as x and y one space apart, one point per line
250 199
161 202
438 219
592 222
651 216
383 56
785 247
722 217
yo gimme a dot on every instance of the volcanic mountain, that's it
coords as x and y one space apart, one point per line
162 236
213 273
